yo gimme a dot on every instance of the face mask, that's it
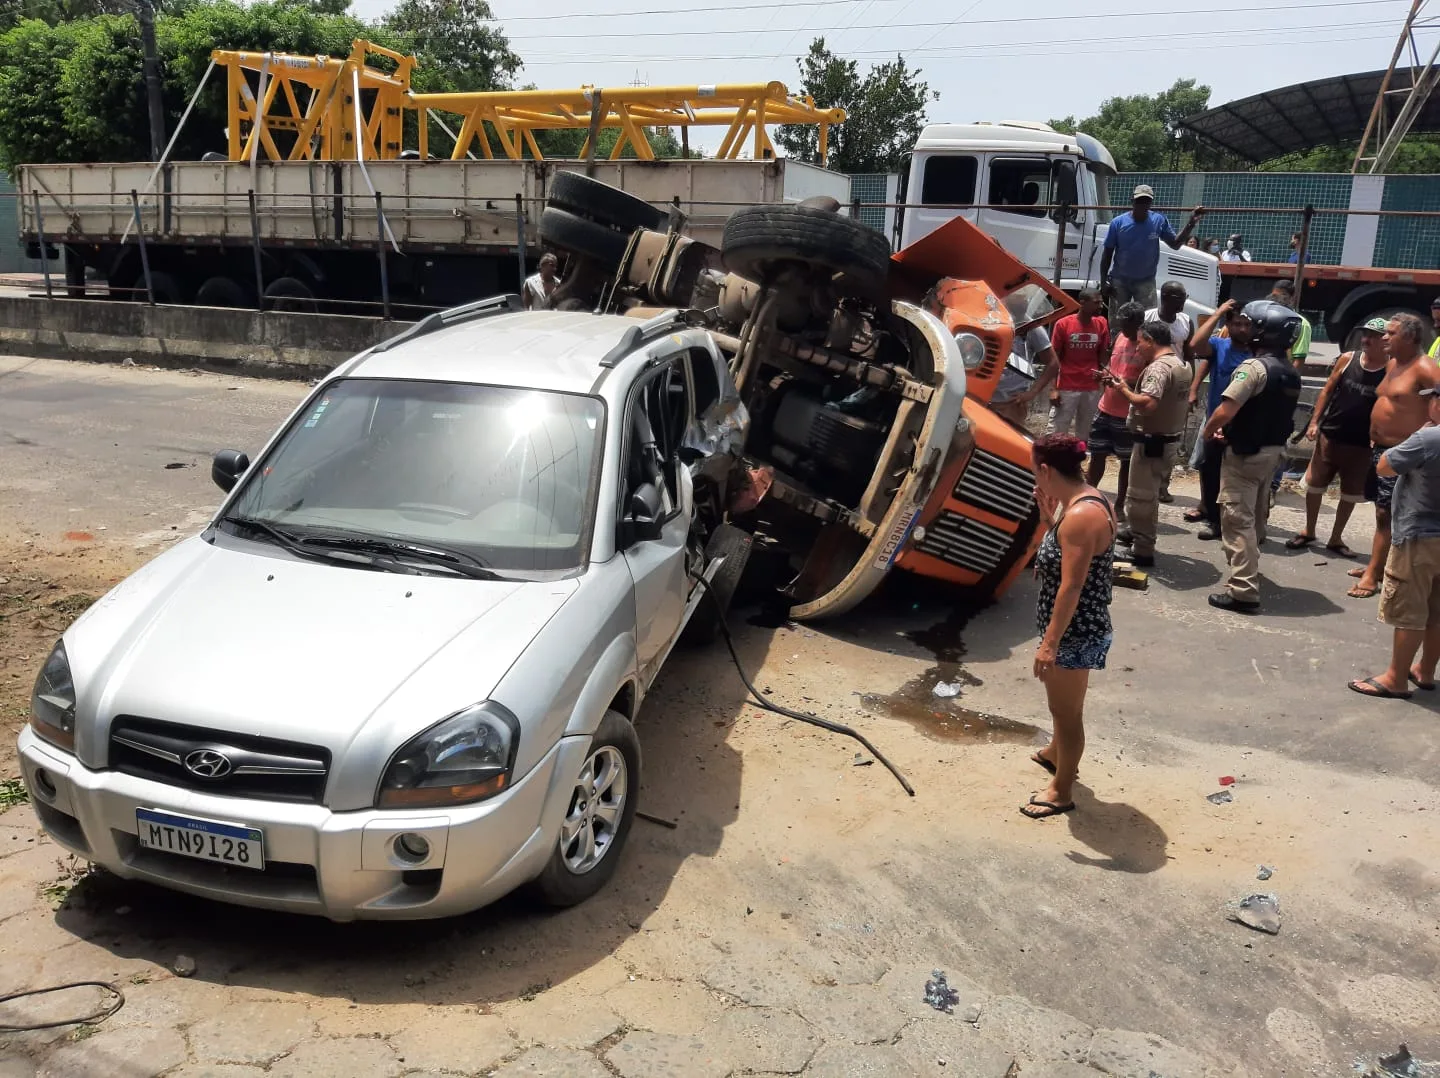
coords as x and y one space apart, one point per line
1214 248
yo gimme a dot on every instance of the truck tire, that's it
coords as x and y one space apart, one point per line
855 256
561 883
733 544
164 286
223 292
602 203
289 294
564 230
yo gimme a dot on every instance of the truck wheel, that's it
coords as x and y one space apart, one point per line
856 257
223 292
165 287
597 818
602 203
289 294
563 229
733 544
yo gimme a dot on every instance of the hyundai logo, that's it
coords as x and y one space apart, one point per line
208 764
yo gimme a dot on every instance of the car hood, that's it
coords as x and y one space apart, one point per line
240 637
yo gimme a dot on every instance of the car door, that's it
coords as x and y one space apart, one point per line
660 406
943 182
1019 188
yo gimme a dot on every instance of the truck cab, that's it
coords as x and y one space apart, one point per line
1002 176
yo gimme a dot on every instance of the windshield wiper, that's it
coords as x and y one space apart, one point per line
335 557
441 557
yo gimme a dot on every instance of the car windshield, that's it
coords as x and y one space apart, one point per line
503 476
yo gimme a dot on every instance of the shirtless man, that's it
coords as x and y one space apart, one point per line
1399 412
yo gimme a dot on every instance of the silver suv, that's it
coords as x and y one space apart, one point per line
396 675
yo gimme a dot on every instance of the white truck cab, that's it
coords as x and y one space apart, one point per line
1000 176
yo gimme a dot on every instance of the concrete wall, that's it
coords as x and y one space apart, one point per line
268 344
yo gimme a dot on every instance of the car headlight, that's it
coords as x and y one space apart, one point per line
52 704
972 350
466 758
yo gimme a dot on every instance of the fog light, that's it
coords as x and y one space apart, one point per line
412 848
44 785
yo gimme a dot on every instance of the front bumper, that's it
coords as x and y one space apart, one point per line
340 865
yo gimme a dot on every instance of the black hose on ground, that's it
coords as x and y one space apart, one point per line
761 700
89 1019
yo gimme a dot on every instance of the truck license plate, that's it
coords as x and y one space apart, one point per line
205 840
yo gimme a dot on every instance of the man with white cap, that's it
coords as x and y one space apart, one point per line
1132 250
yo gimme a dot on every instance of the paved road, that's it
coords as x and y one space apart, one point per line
801 898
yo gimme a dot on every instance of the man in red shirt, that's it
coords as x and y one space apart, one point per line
1109 435
1082 348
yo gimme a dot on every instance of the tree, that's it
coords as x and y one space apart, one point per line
568 142
1417 154
457 42
884 111
1143 131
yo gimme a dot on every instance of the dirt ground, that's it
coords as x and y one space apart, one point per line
790 919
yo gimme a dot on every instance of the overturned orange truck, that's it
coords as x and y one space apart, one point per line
866 378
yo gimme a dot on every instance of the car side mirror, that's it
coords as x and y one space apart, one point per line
227 467
642 515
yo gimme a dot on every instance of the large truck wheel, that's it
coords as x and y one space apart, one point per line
602 203
290 294
733 544
223 292
568 232
854 256
164 287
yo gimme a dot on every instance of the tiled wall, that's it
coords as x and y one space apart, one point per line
1415 243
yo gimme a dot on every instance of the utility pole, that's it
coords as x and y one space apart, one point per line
146 16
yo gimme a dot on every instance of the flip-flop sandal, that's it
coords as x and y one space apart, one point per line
1340 550
1049 808
1356 572
1357 592
1299 542
1194 516
1423 686
1048 766
1376 690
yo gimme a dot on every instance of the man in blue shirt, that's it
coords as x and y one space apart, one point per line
1218 356
1132 251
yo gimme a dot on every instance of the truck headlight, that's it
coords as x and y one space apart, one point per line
52 704
466 758
972 350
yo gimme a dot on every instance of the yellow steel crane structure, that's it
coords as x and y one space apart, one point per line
327 108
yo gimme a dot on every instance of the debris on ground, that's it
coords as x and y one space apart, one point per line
861 760
1227 780
939 994
947 689
1264 872
1400 1065
183 966
1220 797
1260 912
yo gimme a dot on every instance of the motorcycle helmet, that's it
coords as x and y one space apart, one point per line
1273 325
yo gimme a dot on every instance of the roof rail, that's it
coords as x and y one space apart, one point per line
638 335
467 312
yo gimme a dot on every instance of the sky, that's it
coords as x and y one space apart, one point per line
988 59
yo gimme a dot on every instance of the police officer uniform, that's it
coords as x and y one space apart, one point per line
1267 388
1157 445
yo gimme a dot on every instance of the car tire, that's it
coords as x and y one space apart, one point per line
290 294
564 881
733 544
223 292
587 239
603 204
855 256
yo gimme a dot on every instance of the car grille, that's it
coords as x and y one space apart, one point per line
1184 267
965 543
992 359
258 767
996 485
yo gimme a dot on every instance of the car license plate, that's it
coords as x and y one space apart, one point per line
205 840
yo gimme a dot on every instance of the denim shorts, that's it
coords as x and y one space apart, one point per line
1087 653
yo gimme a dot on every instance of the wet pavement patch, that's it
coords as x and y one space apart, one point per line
915 702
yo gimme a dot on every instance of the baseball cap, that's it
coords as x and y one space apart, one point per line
1144 191
1375 325
1432 391
1434 303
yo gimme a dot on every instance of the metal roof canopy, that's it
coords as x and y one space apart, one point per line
1326 112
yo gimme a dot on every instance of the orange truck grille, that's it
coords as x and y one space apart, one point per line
965 543
997 486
